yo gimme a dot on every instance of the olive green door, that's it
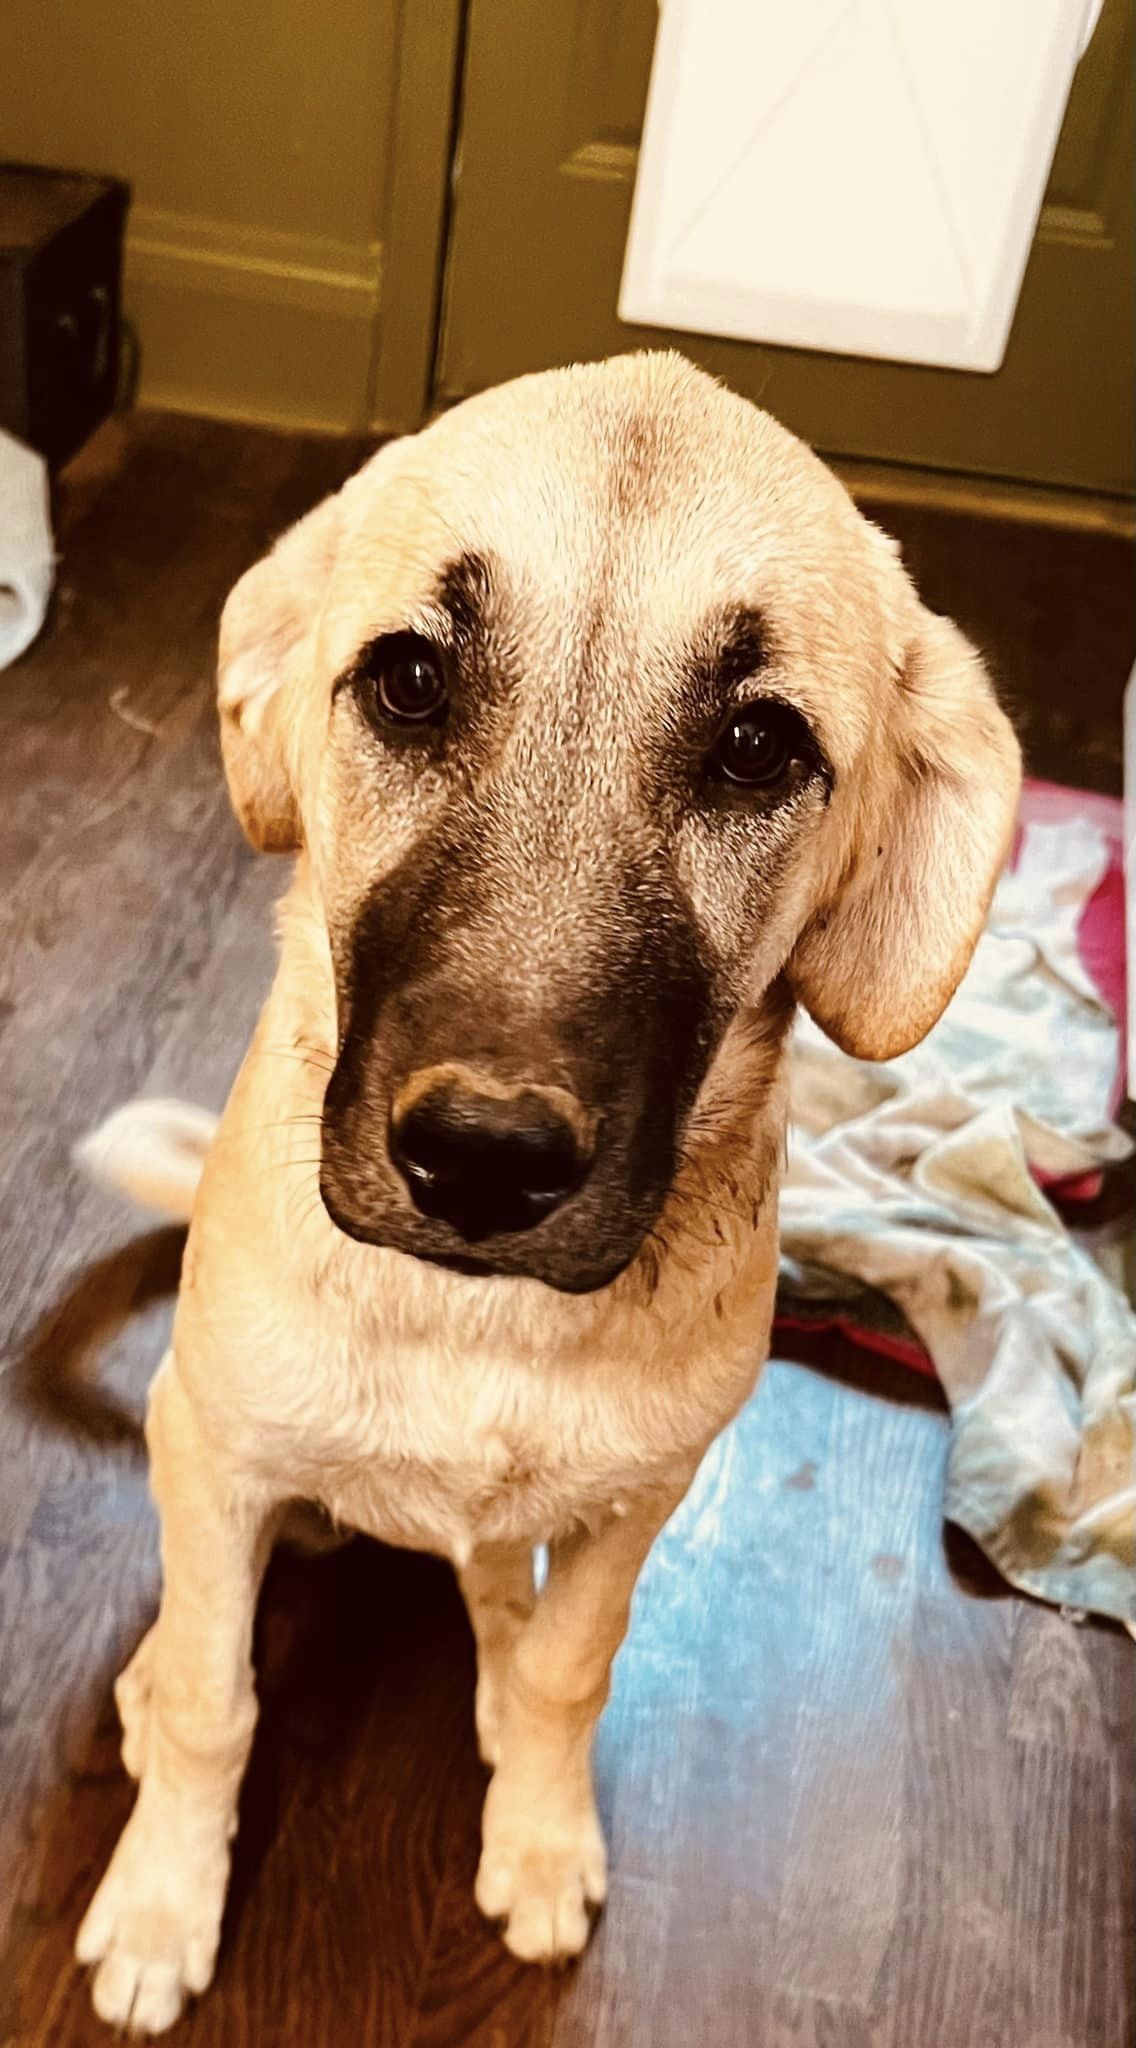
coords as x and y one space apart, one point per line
551 108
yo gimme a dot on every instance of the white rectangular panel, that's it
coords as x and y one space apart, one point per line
862 176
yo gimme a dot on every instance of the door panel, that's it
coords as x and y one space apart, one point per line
552 111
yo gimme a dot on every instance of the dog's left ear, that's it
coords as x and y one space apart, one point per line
266 628
878 965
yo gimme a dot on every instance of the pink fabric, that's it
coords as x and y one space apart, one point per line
902 1350
1100 939
1101 936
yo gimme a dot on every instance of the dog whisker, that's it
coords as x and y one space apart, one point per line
283 1123
308 1056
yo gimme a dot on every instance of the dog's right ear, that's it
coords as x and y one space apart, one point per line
266 629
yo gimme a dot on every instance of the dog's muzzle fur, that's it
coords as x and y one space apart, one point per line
501 1129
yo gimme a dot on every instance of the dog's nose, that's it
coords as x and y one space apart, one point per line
484 1157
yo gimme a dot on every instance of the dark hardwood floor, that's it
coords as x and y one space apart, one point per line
859 1795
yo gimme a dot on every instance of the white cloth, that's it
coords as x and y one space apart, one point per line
27 556
913 1179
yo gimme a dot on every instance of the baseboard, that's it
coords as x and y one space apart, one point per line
986 497
246 323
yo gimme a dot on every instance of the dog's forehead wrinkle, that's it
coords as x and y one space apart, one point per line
541 470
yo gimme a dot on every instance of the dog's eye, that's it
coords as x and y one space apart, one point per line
761 745
407 678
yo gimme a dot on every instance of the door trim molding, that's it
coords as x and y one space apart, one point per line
422 163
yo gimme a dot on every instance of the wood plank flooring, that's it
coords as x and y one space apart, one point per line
858 1794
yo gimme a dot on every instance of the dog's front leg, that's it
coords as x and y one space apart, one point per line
499 1592
189 1710
543 1859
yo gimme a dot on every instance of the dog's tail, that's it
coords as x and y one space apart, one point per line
153 1151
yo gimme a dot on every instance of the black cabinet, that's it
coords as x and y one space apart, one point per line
61 236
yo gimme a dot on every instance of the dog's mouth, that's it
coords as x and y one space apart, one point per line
591 1280
571 1255
481 1269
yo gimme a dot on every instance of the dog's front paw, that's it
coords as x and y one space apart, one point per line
539 1875
151 1931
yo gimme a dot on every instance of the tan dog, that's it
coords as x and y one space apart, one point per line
604 729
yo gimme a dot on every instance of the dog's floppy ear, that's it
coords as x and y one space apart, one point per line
266 627
879 964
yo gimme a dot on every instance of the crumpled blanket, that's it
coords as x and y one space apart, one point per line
918 1181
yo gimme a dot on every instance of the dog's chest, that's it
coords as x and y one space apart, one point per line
447 1454
453 1499
445 1416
